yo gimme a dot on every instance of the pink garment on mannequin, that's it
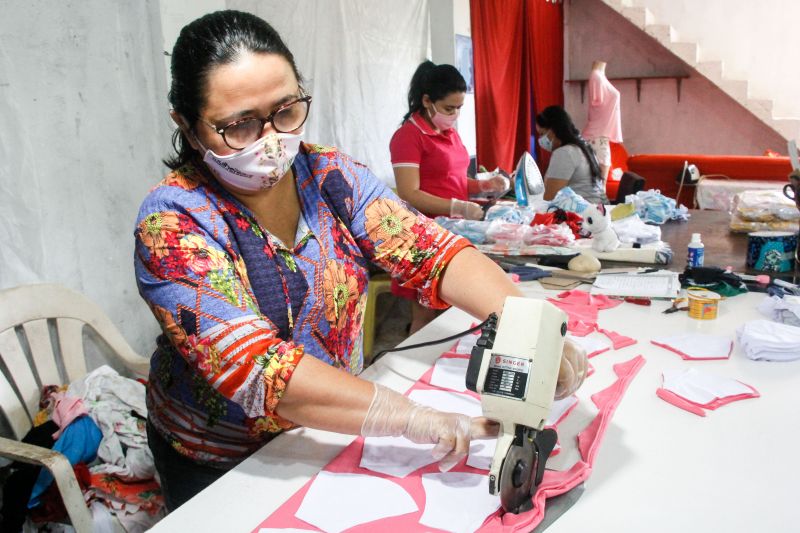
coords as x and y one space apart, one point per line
554 483
604 110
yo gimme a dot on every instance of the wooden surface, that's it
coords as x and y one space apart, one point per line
722 248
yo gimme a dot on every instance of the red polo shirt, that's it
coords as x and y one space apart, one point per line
441 157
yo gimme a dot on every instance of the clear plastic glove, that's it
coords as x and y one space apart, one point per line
494 184
392 414
572 372
467 210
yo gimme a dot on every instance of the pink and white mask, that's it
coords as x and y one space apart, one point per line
259 166
441 121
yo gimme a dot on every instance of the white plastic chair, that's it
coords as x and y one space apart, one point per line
30 312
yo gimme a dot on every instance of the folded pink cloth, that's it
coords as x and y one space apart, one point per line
65 410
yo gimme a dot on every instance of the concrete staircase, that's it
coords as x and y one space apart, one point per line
714 71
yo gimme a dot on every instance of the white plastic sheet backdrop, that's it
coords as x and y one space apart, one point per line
83 128
84 124
357 58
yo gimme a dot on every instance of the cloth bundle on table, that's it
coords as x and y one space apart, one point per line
785 310
569 200
762 340
655 208
510 212
457 500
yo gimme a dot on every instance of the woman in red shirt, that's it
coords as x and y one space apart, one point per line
430 161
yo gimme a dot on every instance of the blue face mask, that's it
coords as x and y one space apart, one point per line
545 143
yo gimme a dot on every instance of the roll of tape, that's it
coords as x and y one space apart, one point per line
703 304
771 251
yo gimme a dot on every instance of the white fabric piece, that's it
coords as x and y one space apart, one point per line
457 501
450 373
395 456
102 520
699 345
466 343
110 399
785 310
558 409
481 453
762 340
136 520
449 402
701 387
357 63
369 498
591 343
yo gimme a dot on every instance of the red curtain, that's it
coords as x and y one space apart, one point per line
518 54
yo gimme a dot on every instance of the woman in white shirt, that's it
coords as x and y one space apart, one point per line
573 162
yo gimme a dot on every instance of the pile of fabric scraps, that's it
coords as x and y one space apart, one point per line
472 230
511 213
506 233
763 340
98 423
569 200
697 346
763 210
655 208
785 310
548 235
696 391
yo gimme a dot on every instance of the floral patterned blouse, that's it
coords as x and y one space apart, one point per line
239 309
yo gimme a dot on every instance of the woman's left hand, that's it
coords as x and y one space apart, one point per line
572 372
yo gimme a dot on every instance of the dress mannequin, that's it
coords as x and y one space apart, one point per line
604 123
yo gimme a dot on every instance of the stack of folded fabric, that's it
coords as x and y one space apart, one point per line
785 310
762 340
763 210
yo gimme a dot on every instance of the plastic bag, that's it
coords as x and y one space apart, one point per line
655 208
569 200
510 212
473 230
739 225
764 206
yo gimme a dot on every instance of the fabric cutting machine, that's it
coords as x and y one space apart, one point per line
514 367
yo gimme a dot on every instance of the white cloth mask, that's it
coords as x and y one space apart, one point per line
259 166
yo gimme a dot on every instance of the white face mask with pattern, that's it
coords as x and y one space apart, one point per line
259 166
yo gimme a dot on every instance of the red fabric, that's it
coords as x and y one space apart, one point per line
573 220
518 61
441 158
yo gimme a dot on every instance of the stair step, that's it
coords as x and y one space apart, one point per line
788 127
764 103
685 51
639 16
663 33
711 70
736 89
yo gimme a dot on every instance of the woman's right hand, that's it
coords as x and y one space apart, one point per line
393 414
467 210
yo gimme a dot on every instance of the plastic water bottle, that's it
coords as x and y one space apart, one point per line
696 252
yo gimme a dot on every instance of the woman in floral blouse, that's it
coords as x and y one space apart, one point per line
253 255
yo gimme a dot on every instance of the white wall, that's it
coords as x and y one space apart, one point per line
757 41
82 101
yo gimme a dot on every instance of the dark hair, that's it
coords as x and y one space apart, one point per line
557 119
437 81
212 40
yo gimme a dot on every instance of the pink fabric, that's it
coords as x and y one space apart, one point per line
582 309
65 410
697 408
617 339
604 112
554 482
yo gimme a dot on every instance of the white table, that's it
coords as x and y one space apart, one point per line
659 468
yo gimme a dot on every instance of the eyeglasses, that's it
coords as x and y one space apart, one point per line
242 133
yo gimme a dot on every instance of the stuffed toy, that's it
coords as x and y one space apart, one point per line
597 222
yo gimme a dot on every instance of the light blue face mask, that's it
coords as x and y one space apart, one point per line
545 143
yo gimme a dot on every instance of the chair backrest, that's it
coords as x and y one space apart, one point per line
630 183
41 343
